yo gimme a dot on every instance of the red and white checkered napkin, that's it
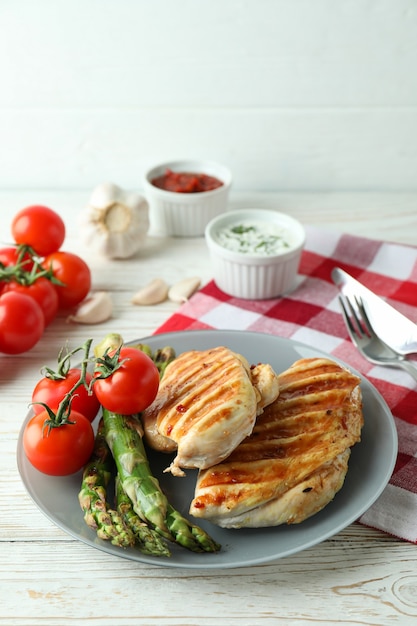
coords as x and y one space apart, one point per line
311 314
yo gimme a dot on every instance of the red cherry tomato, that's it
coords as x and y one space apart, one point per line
51 392
22 322
43 291
9 257
62 450
75 275
40 228
130 388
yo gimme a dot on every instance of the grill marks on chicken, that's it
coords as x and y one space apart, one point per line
207 404
295 460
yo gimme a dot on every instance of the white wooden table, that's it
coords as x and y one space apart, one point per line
359 576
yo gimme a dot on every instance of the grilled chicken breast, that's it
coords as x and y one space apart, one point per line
295 460
206 405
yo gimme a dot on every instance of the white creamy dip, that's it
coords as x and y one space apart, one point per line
254 237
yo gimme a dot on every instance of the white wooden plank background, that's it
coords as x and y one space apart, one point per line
290 94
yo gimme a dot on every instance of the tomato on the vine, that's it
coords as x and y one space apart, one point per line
73 272
12 255
42 291
133 384
39 227
60 450
52 391
22 322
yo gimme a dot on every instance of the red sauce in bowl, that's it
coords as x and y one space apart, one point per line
186 182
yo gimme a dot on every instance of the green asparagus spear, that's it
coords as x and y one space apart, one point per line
147 539
111 341
145 348
161 356
124 437
98 515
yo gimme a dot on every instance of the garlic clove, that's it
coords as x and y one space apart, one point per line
96 308
184 289
154 292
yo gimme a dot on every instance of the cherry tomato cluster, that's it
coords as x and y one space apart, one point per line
37 278
59 439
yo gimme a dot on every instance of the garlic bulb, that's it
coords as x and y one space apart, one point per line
115 222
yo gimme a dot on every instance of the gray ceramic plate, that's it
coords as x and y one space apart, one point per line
371 465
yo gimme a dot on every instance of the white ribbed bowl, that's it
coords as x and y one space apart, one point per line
185 214
255 277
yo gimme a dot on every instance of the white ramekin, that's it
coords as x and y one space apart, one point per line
255 277
185 214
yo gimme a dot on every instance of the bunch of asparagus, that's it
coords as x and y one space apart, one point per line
142 516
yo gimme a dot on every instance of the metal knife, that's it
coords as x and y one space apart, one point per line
396 330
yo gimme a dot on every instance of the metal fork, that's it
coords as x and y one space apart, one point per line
367 341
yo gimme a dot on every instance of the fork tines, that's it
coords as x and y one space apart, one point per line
357 324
